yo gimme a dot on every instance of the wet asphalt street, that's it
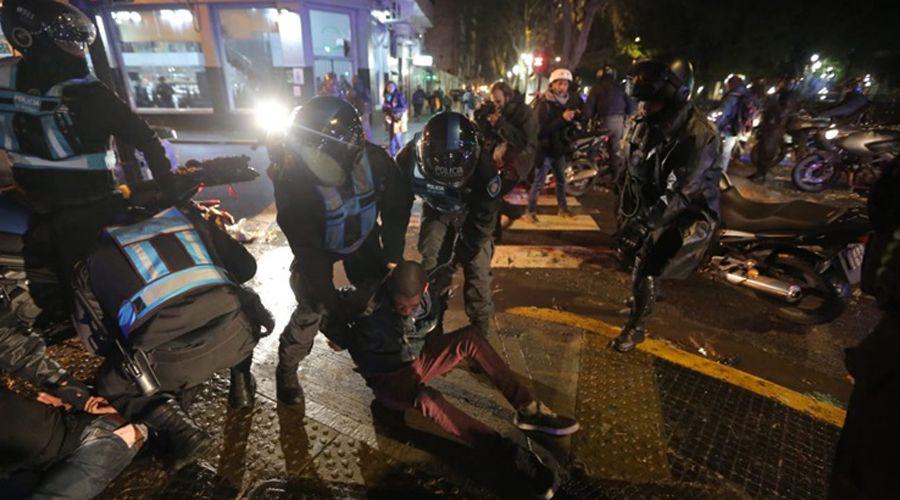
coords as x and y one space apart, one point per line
723 401
699 315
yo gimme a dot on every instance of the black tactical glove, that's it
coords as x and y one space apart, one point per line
70 391
259 315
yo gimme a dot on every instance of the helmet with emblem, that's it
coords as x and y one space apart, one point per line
448 149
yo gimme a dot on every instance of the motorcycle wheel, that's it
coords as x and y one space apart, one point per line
820 302
813 174
579 188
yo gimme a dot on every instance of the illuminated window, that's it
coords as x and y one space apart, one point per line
163 58
261 47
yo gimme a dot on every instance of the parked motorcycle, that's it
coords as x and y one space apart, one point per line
14 216
858 154
803 256
588 160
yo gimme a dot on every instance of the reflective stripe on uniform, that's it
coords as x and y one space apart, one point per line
192 243
9 137
59 147
96 161
168 222
338 210
159 292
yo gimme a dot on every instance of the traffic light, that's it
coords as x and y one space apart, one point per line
538 62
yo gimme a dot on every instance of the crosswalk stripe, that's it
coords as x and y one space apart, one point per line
520 198
556 223
537 256
792 399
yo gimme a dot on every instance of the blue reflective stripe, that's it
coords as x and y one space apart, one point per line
141 264
9 136
164 223
96 161
158 268
58 144
194 247
158 293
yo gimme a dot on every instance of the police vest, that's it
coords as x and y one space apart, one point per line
169 261
444 199
350 214
38 131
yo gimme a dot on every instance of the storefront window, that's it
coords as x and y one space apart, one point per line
163 58
332 47
261 48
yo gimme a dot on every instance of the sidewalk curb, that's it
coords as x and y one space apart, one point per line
800 402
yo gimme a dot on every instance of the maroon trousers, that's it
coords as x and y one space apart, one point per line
406 387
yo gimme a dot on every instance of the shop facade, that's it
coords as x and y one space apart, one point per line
225 56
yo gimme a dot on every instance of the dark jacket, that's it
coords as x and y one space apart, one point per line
190 319
98 114
607 98
672 183
481 200
381 340
553 137
518 127
301 215
29 431
730 121
394 103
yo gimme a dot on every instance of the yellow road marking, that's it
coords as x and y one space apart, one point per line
556 223
792 399
543 257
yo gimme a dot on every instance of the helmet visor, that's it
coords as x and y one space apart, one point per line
450 163
72 32
647 80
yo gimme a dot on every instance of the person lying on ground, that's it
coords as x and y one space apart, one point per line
65 445
397 348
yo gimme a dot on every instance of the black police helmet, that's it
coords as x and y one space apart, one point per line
448 149
35 26
327 133
654 80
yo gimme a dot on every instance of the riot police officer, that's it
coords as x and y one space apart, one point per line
331 187
168 288
461 193
55 122
669 199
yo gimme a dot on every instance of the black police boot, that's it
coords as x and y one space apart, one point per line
629 338
184 441
287 386
644 292
243 385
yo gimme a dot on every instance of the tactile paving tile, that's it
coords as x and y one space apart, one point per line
722 431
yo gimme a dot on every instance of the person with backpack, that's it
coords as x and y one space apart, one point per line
738 110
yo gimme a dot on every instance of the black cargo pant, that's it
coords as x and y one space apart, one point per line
363 267
437 237
89 455
179 367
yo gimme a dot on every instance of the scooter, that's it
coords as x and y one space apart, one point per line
803 256
857 154
14 215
